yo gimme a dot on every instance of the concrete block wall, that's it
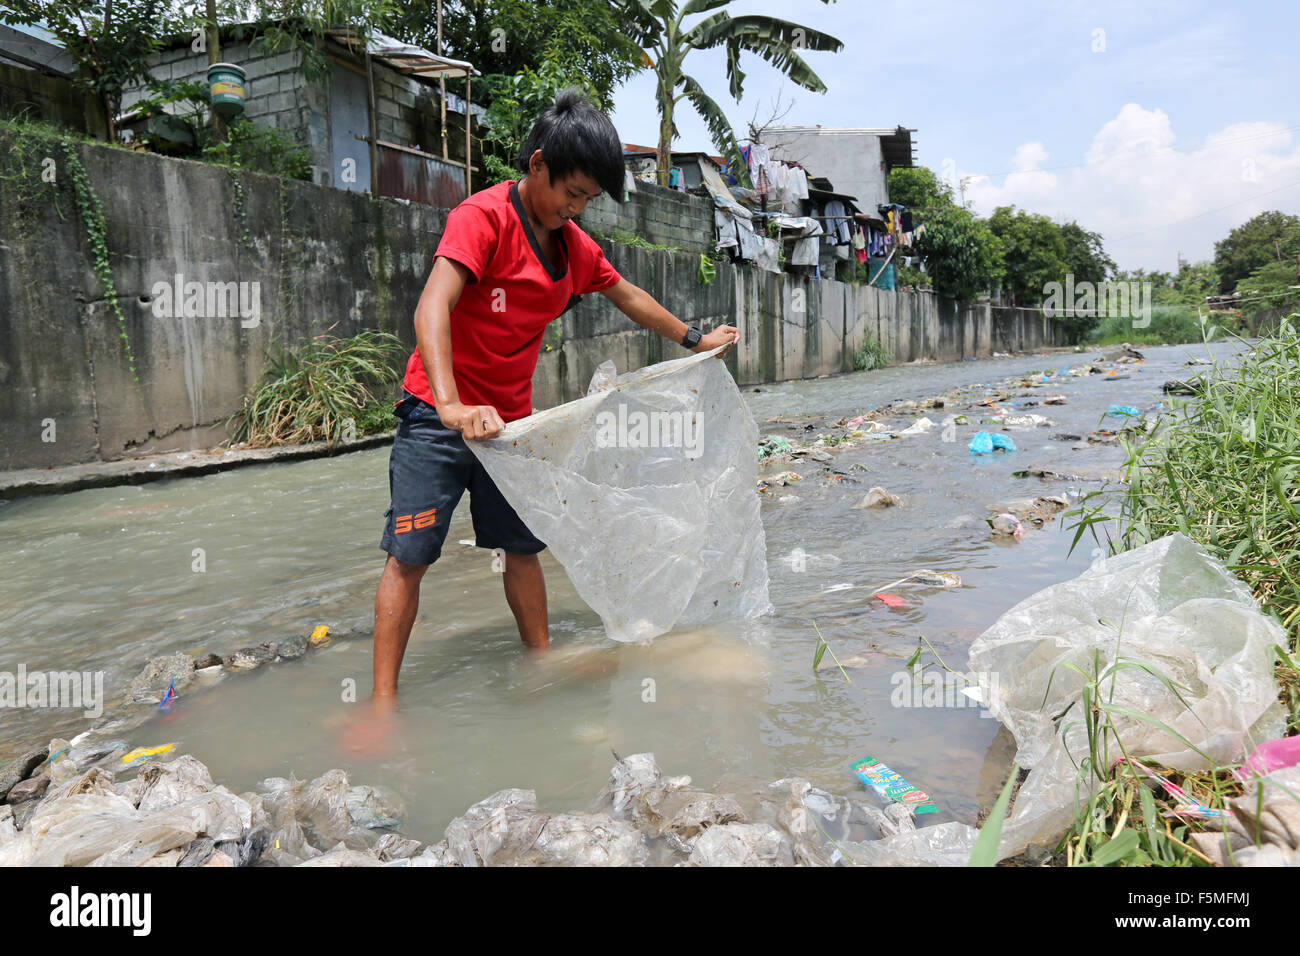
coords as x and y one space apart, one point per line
406 111
277 92
657 214
331 259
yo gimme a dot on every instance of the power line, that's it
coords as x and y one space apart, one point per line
1206 213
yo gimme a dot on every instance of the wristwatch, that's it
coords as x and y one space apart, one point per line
692 338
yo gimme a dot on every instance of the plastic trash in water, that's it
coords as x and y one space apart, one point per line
1007 523
320 636
983 443
922 424
1168 603
1128 410
169 698
1270 756
141 754
893 600
892 786
644 492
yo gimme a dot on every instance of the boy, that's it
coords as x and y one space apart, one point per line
510 261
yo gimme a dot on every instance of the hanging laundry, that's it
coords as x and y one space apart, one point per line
768 255
798 183
837 224
725 226
750 244
780 175
760 170
804 252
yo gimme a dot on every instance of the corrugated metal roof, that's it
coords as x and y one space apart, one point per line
406 57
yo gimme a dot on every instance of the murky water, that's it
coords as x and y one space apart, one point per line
104 579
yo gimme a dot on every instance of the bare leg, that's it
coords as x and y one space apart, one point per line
396 602
526 594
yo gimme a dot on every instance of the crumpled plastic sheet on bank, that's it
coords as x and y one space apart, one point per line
1169 604
644 491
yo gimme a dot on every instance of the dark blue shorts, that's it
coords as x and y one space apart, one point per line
429 469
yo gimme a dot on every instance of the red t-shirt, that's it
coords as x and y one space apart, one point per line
498 322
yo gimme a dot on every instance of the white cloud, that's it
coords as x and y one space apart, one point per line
1148 198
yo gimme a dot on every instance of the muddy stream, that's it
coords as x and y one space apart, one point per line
104 579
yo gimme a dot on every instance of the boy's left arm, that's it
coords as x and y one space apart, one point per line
640 306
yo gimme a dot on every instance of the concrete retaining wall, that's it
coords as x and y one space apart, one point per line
325 259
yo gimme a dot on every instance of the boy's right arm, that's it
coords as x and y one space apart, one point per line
433 338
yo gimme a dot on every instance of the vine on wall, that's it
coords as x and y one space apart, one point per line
92 215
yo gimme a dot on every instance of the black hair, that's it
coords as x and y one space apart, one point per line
574 135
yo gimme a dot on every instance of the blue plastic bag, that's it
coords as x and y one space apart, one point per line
984 442
1128 410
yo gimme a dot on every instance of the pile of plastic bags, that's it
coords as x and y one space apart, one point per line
1167 641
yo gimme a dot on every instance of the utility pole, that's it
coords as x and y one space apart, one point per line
214 56
442 91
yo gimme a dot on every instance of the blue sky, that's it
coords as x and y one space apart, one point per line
1170 126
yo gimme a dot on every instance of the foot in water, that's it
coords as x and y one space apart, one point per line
370 729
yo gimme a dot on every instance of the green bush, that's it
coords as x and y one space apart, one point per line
1170 325
871 354
260 149
314 392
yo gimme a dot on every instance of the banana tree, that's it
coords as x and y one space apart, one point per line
658 27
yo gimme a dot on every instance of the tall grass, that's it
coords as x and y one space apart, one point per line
1223 469
1170 325
871 354
320 390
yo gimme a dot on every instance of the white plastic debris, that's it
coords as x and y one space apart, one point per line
742 844
585 839
644 491
1169 605
918 427
945 844
341 855
495 829
632 776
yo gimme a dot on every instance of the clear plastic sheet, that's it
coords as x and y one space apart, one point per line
644 491
1168 605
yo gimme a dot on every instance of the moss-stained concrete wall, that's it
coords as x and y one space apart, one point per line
322 260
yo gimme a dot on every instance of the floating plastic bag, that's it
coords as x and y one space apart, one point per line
983 443
1169 605
644 491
